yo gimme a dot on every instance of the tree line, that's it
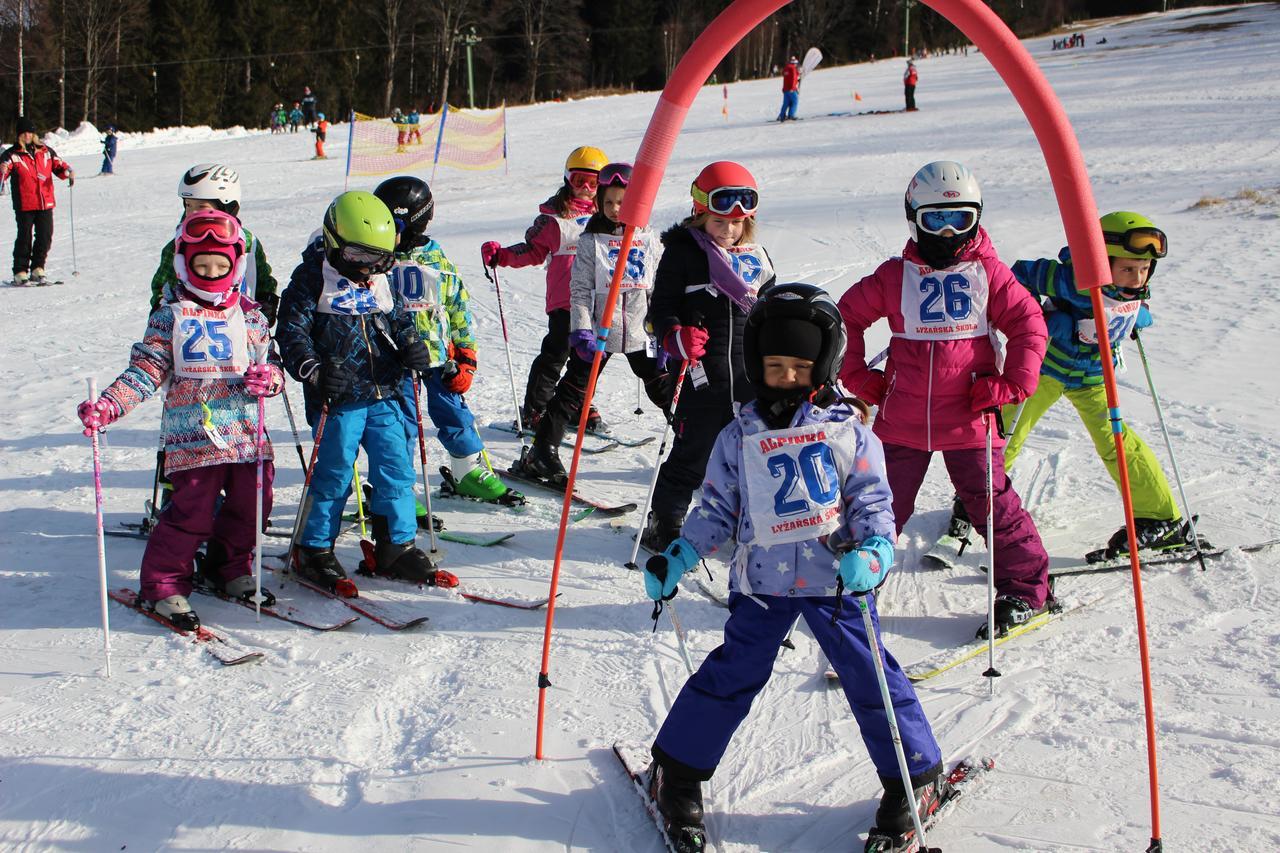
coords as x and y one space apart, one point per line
139 64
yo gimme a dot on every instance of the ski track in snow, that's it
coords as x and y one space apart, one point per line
423 740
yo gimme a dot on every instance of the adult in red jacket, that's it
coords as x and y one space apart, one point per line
909 78
945 299
790 90
32 166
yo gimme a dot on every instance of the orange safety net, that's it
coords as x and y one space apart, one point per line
470 140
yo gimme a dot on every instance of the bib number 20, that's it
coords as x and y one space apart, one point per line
197 333
816 467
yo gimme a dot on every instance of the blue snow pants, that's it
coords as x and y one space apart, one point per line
790 103
378 425
715 700
455 425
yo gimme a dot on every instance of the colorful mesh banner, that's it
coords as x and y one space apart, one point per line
463 139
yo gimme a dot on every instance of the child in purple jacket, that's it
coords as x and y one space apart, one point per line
794 480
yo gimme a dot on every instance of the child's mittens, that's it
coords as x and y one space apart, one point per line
583 342
687 343
992 392
263 380
662 572
97 414
865 568
489 252
1144 320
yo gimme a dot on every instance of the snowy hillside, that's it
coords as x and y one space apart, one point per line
379 741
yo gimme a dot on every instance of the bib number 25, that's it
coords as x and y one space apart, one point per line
205 340
816 468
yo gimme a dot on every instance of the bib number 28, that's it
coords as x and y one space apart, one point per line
816 468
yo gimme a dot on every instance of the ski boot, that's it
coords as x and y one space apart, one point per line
1012 611
21 279
596 425
479 484
177 610
541 463
209 576
38 276
679 801
404 561
321 567
660 531
894 827
1155 534
959 527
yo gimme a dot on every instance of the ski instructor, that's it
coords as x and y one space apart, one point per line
33 166
790 90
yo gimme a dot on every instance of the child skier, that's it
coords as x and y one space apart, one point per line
710 270
554 233
211 345
109 143
944 299
214 186
320 130
802 440
345 335
432 292
598 249
1073 368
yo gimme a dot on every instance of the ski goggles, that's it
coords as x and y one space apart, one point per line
211 225
723 201
374 260
615 175
1140 241
581 179
935 220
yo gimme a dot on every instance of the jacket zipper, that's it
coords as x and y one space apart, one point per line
928 404
364 332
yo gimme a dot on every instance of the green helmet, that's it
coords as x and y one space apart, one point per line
359 234
1132 235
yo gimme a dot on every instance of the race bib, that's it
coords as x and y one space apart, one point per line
1122 316
751 264
944 305
638 271
793 478
570 231
341 296
418 285
208 343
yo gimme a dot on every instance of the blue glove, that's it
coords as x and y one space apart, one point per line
867 567
662 572
1144 320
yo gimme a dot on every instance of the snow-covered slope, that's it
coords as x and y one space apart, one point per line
379 741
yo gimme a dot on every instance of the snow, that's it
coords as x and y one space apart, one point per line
424 740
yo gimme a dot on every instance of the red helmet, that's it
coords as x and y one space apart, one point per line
725 188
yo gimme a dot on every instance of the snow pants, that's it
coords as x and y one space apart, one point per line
565 407
700 415
909 95
544 373
715 700
455 425
192 517
790 103
35 236
1022 564
1152 497
378 426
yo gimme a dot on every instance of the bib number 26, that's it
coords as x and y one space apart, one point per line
945 299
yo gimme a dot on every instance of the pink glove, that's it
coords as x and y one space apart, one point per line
97 414
687 343
992 392
873 389
489 253
261 380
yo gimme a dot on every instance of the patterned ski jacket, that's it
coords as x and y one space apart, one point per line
1073 357
206 421
554 236
779 493
32 172
323 317
593 272
432 292
943 324
259 283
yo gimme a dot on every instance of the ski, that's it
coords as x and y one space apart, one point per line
601 505
283 612
32 284
226 651
964 774
608 442
141 530
370 609
1157 558
514 603
950 545
635 762
449 489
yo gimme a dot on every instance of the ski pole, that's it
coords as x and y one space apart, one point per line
657 465
1177 474
102 539
639 397
293 425
680 640
149 523
992 673
355 470
257 528
71 207
786 641
870 628
422 451
304 501
506 345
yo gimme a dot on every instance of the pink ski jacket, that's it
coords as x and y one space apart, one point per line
554 236
932 367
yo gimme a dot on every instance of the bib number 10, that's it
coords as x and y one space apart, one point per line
816 467
409 281
945 299
205 340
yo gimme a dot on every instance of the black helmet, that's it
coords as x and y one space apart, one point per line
410 202
796 303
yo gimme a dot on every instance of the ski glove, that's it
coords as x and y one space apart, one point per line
662 572
330 379
583 342
992 392
263 380
866 567
97 414
687 343
464 362
873 389
489 252
415 356
269 305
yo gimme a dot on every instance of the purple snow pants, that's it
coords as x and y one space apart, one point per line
189 519
1022 564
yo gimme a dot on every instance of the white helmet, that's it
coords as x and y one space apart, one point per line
943 183
214 182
